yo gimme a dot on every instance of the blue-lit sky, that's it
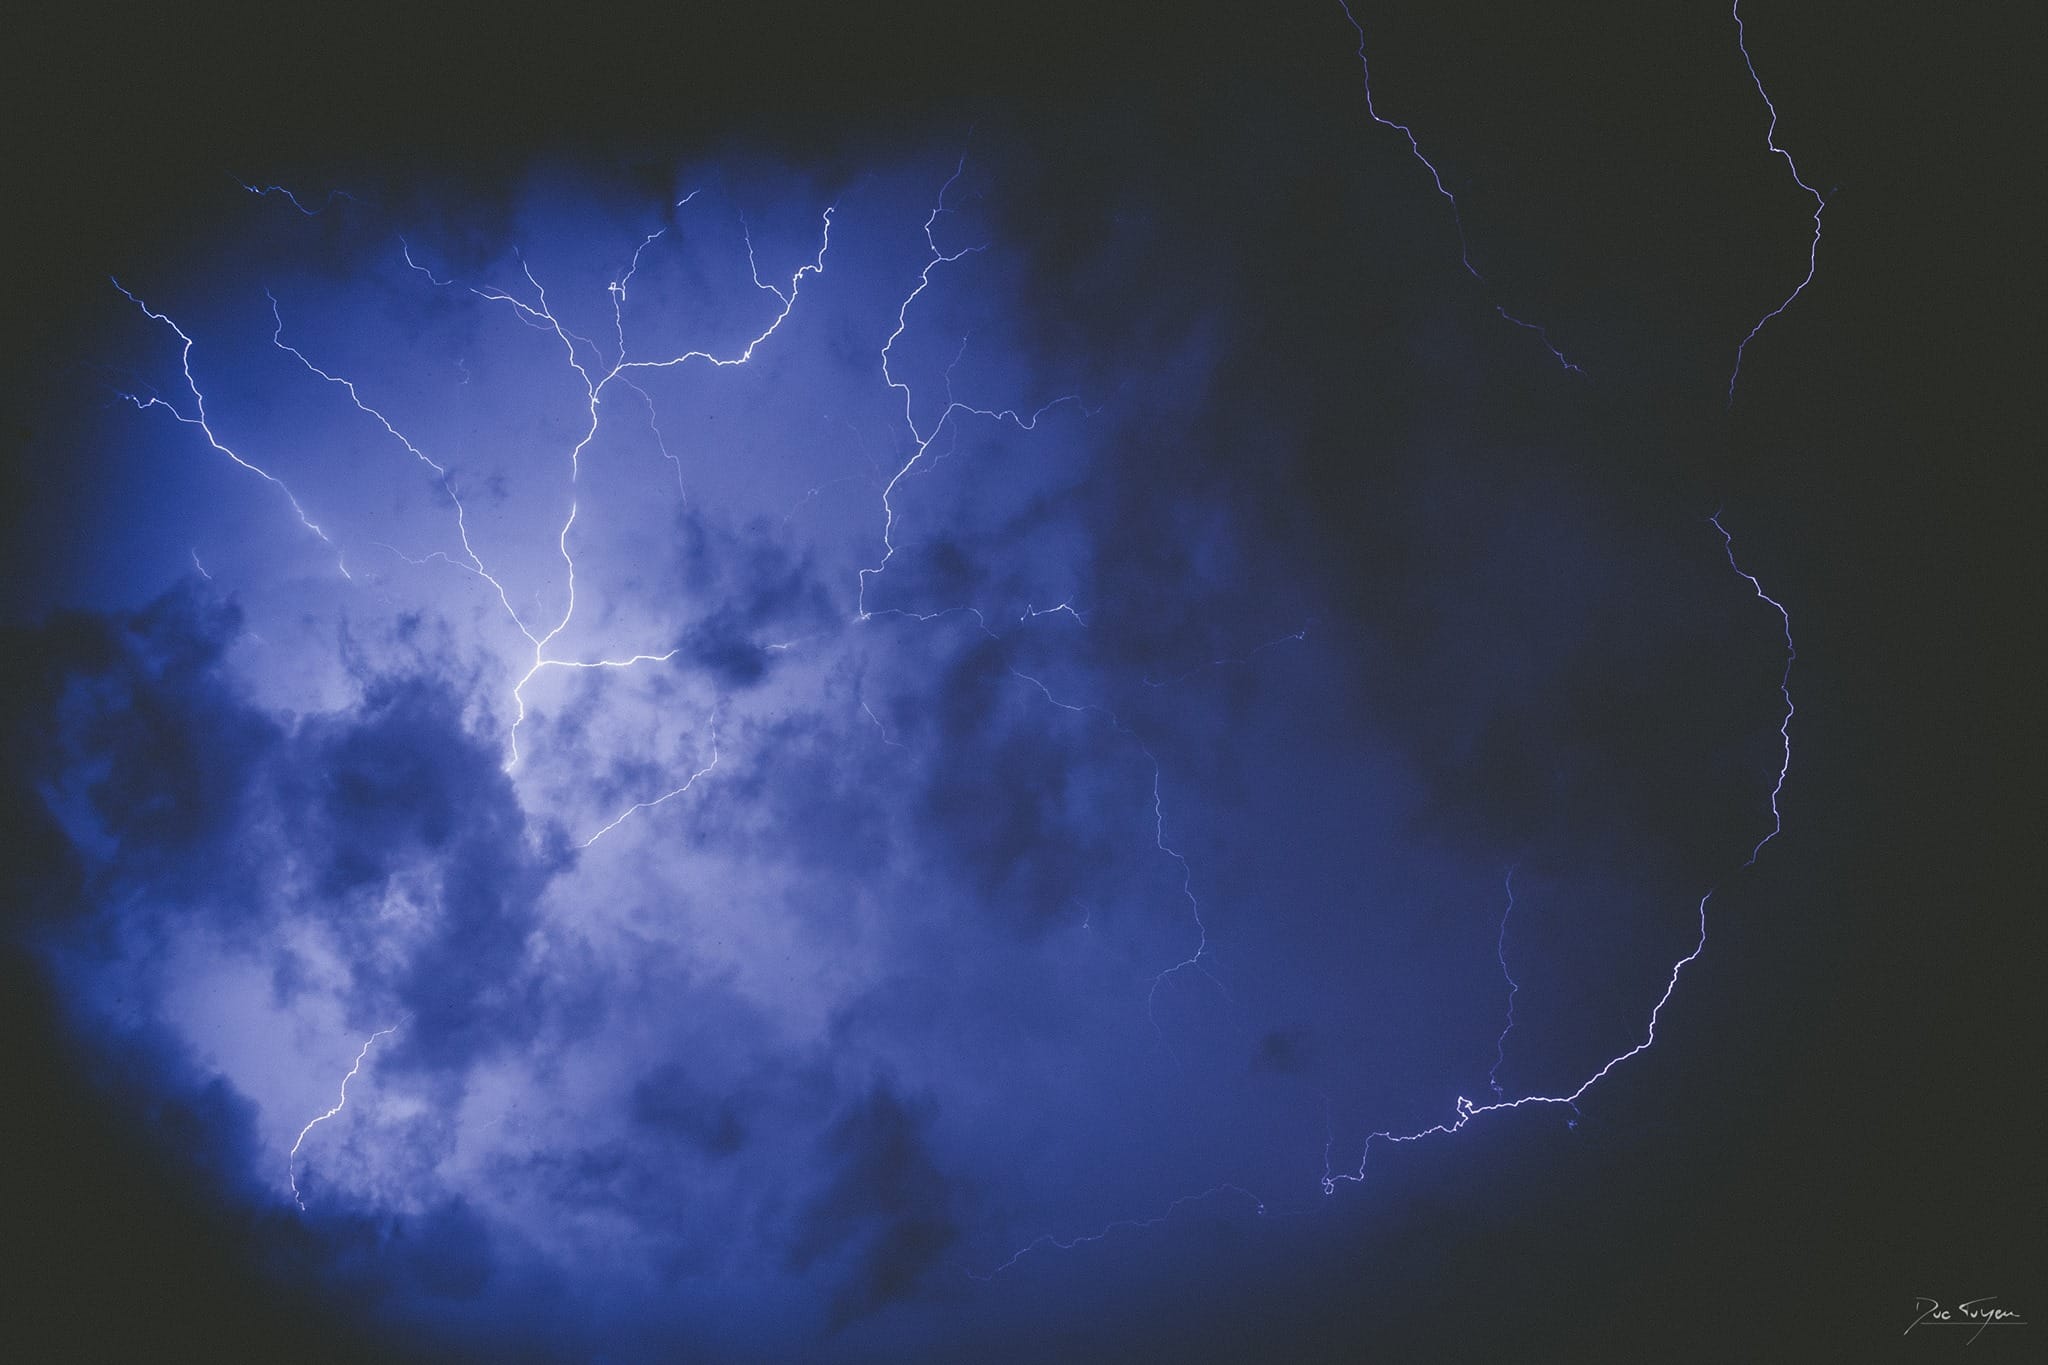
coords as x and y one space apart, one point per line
901 692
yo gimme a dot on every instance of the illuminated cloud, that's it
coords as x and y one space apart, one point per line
763 758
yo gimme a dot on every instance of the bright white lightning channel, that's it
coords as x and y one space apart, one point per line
292 1163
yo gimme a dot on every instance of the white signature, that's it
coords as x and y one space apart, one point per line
1977 1313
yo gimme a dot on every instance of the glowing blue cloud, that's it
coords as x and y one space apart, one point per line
779 767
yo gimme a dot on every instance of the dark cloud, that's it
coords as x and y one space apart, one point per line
1283 1050
400 783
132 724
886 1211
670 1102
758 595
1024 813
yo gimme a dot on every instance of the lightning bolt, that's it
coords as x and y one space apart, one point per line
582 358
538 314
639 806
923 454
1819 204
869 712
199 419
1122 1225
1784 684
1500 951
447 482
1032 613
292 1162
1187 877
597 372
1464 1110
264 191
1436 178
921 440
1296 636
1457 219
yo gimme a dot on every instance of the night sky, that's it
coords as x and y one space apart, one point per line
913 685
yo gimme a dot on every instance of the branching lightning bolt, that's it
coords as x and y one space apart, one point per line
923 455
922 440
199 419
1187 871
539 315
476 565
1436 178
1820 204
597 372
292 1162
582 357
1465 1111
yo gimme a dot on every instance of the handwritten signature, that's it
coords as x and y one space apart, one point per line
1977 1313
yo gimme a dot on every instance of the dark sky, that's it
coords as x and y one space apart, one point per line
1118 641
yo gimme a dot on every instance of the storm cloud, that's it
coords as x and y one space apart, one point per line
906 742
